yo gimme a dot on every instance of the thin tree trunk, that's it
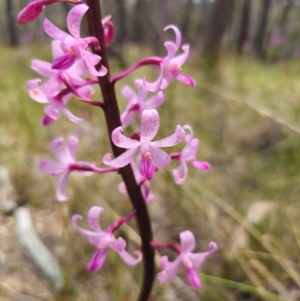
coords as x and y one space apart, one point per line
284 16
186 21
162 19
261 28
216 27
11 24
138 23
244 26
121 31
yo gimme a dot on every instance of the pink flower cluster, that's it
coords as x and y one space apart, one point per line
73 72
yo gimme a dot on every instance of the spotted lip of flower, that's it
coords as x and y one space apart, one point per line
190 260
138 102
73 45
170 66
103 240
151 154
66 157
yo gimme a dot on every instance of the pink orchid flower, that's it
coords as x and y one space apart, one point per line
73 45
170 66
137 102
188 155
152 156
190 260
49 94
70 77
104 239
66 157
31 11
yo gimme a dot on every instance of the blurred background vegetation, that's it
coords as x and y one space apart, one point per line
244 109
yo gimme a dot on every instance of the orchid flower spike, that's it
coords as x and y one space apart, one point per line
170 66
103 239
152 157
31 11
137 102
66 157
190 260
73 45
188 155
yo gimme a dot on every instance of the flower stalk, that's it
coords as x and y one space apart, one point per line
112 116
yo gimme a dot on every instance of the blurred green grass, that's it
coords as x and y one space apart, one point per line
246 115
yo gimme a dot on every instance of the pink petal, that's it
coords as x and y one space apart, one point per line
89 58
172 140
97 260
190 150
160 158
147 168
177 34
72 117
109 32
187 80
94 72
128 93
171 49
179 60
47 120
149 125
118 245
202 165
153 87
130 260
155 101
52 110
122 141
77 69
59 150
61 186
72 143
127 117
93 218
74 19
122 188
123 159
168 76
30 12
54 32
35 92
64 62
189 136
56 49
187 241
180 173
51 167
83 231
142 91
51 87
198 258
43 68
171 269
193 278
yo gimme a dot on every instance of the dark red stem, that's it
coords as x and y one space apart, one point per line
112 116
